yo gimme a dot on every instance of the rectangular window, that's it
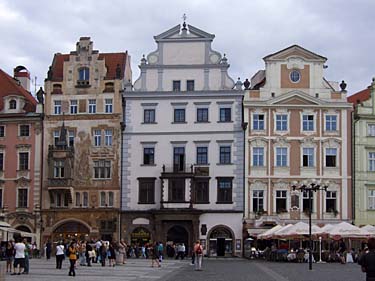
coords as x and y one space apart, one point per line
1 161
58 169
2 131
149 116
281 156
331 123
102 169
103 199
281 122
23 158
92 106
84 74
179 115
57 107
176 85
308 157
24 131
202 114
56 137
225 114
224 190
258 201
176 192
178 159
371 130
22 198
85 202
258 122
190 85
281 201
1 198
108 106
111 199
258 156
202 155
371 199
71 137
97 137
108 137
306 203
78 199
201 191
308 122
146 193
371 161
331 154
225 154
73 106
148 156
331 202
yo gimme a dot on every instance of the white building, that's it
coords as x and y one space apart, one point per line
182 170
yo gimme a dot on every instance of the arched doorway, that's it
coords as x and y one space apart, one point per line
221 242
177 235
71 230
23 228
140 236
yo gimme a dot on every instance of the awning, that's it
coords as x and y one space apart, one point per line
256 231
13 230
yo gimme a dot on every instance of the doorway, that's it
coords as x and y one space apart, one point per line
220 247
178 235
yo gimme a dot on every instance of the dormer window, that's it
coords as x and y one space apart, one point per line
13 104
84 74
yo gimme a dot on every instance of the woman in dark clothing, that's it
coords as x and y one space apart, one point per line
111 255
9 256
103 253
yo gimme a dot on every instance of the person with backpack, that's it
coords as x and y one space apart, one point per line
198 251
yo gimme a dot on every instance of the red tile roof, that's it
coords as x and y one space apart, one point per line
360 96
10 86
111 62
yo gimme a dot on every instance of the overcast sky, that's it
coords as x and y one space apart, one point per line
342 31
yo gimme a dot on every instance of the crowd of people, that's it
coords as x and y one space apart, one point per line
17 254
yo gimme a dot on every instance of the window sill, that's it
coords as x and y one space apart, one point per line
225 121
202 164
201 203
101 179
146 203
202 122
179 122
220 202
224 164
149 123
148 165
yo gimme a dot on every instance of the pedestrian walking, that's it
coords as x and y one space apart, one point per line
19 258
9 256
27 256
111 255
103 253
72 250
160 250
155 255
60 254
367 260
48 249
198 250
88 253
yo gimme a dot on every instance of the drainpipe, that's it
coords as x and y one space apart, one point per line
121 164
244 127
355 119
40 222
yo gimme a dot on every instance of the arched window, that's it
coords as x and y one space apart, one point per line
12 104
84 74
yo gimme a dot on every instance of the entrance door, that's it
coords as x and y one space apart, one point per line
220 247
177 235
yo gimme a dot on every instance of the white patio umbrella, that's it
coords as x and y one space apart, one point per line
298 230
269 232
347 230
369 228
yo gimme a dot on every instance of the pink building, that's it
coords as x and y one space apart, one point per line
20 152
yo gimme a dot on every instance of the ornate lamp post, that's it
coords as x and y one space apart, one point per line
309 188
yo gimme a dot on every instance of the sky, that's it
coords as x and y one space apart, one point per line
246 31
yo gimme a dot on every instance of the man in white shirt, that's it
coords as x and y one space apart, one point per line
98 244
19 259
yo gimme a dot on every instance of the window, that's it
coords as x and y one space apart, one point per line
331 201
73 106
201 191
111 199
176 192
24 130
306 203
92 106
225 154
371 161
179 115
258 201
202 157
176 85
22 198
371 199
331 154
71 137
1 161
190 85
84 74
78 199
108 106
1 198
225 115
331 123
224 190
281 156
258 156
202 114
102 199
12 104
146 193
371 130
57 107
102 169
2 131
23 158
295 76
58 169
308 157
108 137
308 122
258 122
281 201
178 159
149 115
148 156
97 137
56 137
281 122
85 202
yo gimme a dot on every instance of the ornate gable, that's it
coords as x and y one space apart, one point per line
176 34
295 51
296 98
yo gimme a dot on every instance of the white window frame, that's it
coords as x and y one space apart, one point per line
97 137
371 161
308 122
336 198
253 156
336 122
108 137
28 197
313 157
287 122
56 135
258 197
371 199
74 106
108 105
18 159
326 154
58 167
19 130
57 107
276 197
4 131
92 106
287 156
371 130
258 122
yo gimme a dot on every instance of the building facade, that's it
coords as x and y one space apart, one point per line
82 143
364 155
299 131
183 147
20 152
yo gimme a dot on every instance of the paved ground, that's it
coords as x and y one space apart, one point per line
213 270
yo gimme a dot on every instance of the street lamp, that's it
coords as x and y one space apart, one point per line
309 188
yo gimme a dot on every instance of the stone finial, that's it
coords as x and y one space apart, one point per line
246 84
143 60
343 85
238 85
224 60
40 95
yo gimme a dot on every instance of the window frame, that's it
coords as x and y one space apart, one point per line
149 115
329 196
74 106
308 125
190 85
281 194
202 114
371 199
146 190
292 76
102 169
224 197
57 107
279 159
371 130
149 156
23 166
371 161
176 85
257 157
108 105
281 125
12 104
257 196
97 137
22 199
92 106
84 74
225 157
58 168
202 156
2 131
225 114
179 115
310 157
108 137
202 191
330 149
23 132
329 123
258 124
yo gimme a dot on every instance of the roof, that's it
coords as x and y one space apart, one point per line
10 86
360 96
295 46
111 62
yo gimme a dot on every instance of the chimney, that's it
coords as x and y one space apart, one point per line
23 75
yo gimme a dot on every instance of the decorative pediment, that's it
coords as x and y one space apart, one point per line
175 34
295 51
22 182
296 98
